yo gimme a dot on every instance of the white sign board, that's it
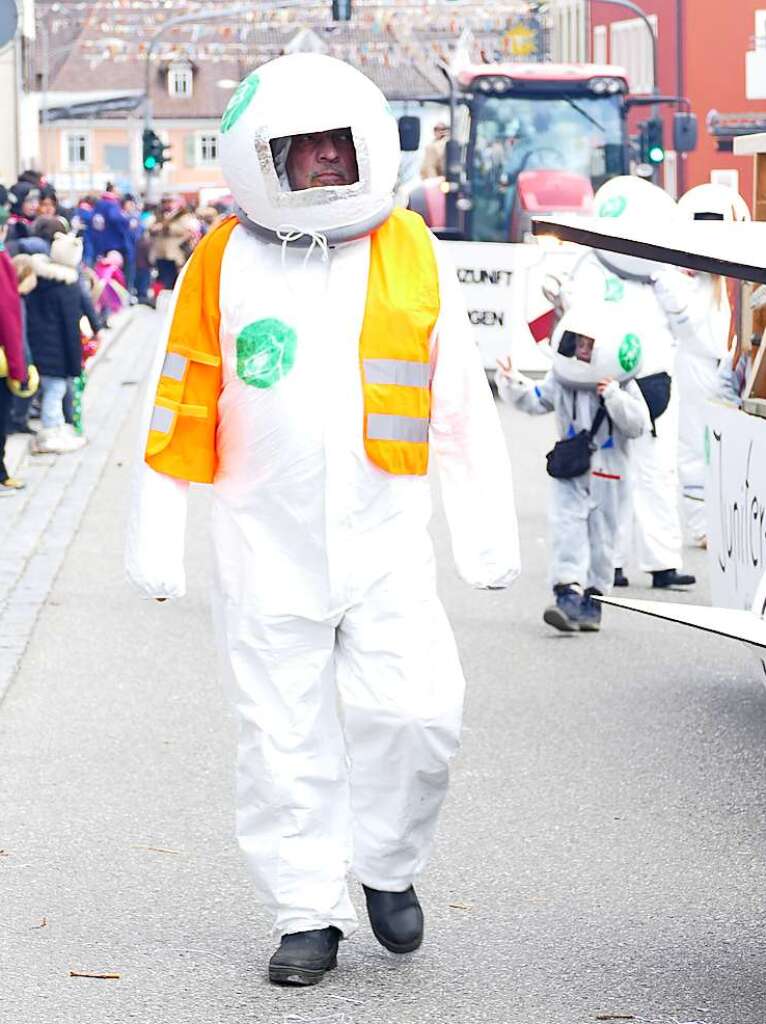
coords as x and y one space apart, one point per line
503 292
736 504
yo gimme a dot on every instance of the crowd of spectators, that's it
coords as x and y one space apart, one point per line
65 272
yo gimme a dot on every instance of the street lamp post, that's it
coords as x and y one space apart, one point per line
640 13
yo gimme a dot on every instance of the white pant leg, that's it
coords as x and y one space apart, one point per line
691 469
402 693
293 819
623 544
568 511
603 523
654 468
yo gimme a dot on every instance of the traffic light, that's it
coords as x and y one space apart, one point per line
341 10
655 144
156 153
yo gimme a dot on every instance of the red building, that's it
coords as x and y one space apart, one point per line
711 51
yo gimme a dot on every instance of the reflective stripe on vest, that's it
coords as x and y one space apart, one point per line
395 345
401 311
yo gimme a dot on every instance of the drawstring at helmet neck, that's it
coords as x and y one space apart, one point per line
288 233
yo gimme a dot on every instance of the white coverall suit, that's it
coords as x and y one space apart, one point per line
699 315
325 583
583 511
649 518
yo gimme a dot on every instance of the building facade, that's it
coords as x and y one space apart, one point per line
712 52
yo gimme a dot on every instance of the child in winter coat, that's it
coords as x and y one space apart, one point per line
54 309
598 408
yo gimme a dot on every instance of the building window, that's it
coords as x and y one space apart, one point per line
207 148
600 55
180 80
569 31
77 150
117 158
632 49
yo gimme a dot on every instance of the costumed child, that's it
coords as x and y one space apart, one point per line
110 293
598 408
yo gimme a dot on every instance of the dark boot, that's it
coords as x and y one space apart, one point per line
304 958
620 579
671 578
564 615
396 919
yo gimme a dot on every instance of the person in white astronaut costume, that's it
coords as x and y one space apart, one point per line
589 388
699 314
325 580
649 516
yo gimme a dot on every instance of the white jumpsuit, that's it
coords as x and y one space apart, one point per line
650 520
583 511
338 654
699 315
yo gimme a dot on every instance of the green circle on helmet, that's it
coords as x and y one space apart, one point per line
265 352
240 101
630 352
614 207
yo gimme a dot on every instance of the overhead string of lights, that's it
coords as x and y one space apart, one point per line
382 32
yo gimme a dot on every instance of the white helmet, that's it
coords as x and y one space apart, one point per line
714 202
298 94
632 201
614 348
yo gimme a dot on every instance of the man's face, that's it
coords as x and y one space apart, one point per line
30 207
322 158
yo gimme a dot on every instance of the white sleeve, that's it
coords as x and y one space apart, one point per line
627 408
470 449
699 324
154 555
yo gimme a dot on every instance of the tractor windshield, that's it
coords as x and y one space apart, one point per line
584 135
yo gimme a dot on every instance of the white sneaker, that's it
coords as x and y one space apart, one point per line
56 441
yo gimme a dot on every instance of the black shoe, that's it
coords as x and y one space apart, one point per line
620 579
396 919
304 958
670 578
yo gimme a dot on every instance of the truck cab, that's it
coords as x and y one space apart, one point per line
533 139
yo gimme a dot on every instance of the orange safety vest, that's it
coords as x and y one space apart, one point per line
394 355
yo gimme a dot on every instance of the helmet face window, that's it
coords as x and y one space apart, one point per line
583 348
315 160
708 216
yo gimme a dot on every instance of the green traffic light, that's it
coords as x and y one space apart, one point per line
150 162
656 154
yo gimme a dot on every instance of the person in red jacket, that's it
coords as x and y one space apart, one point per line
12 343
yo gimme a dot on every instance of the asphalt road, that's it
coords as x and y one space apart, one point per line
601 854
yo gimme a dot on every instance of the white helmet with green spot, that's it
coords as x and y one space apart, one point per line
299 94
593 341
633 201
714 202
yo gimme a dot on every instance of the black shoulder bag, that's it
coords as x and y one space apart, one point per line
570 458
